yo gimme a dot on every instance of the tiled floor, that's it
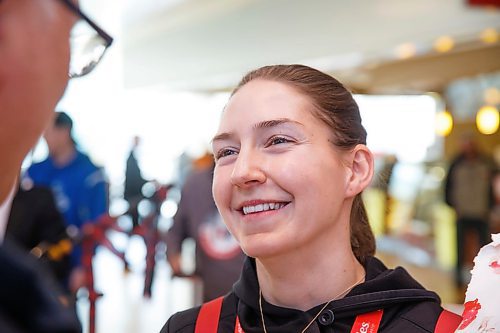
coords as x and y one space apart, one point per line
123 309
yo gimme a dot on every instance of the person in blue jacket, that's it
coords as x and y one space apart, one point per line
79 186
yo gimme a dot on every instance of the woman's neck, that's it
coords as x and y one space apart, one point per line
311 275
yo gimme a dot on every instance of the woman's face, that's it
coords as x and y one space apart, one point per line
279 182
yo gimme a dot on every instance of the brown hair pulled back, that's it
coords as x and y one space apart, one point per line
335 106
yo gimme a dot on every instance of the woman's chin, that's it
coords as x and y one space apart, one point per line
261 249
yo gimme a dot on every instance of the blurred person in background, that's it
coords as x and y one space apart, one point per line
469 191
134 181
79 186
219 258
36 225
34 62
184 165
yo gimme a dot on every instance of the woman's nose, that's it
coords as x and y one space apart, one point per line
247 170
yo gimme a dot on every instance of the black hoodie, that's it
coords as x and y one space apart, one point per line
407 306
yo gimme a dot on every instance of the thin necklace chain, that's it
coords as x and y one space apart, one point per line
343 293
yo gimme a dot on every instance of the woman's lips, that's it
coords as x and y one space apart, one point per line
262 207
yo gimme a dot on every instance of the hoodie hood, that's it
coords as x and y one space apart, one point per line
383 288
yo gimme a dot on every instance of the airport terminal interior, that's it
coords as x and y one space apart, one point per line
424 73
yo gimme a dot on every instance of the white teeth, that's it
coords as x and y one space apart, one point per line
262 207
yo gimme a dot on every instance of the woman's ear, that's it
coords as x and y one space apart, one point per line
361 170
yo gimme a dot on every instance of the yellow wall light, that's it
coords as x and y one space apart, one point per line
487 119
444 123
489 36
406 50
444 44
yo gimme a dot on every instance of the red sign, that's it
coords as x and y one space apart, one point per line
495 3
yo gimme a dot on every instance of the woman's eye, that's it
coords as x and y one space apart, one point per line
224 152
277 140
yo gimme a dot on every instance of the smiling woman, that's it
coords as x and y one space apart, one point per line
291 164
261 140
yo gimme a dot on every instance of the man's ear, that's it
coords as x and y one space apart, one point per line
361 170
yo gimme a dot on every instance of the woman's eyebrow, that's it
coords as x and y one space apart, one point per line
263 124
222 136
275 122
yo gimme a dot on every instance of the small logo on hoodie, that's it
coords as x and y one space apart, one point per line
367 322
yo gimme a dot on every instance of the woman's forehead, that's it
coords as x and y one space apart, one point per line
258 104
267 97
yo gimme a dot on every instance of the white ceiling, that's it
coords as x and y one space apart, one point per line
208 44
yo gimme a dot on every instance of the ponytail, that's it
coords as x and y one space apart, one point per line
362 238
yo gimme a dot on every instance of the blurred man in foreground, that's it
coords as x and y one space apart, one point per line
34 62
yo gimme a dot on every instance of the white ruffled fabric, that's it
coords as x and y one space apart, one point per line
482 299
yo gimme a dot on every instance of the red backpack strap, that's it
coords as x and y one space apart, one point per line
447 322
208 317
